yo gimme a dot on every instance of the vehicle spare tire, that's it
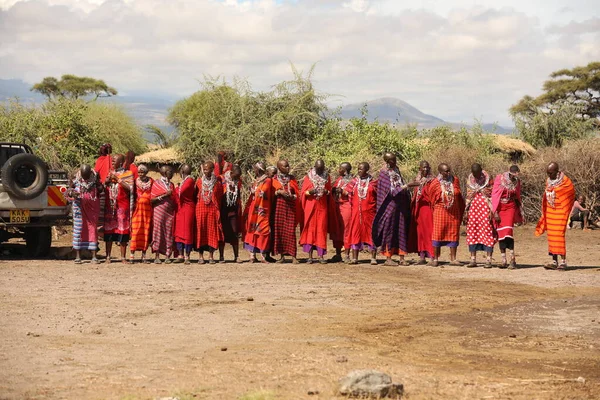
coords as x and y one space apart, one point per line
24 176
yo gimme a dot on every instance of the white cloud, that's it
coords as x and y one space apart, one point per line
456 62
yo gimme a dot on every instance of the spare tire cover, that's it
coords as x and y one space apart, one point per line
24 176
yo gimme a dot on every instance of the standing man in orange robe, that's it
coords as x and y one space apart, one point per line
257 239
556 206
315 200
343 212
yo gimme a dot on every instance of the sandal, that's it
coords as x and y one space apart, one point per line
179 260
201 261
433 263
221 260
295 260
404 263
550 265
78 261
513 265
157 261
488 265
504 265
456 263
309 261
373 261
422 262
239 260
168 261
146 261
280 261
95 261
211 261
390 263
322 261
562 266
186 261
472 264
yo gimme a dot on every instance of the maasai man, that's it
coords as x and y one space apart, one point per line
391 223
163 215
286 213
421 227
103 167
556 207
448 208
362 191
185 222
209 231
271 172
104 162
129 163
231 212
117 212
343 212
508 210
481 235
85 196
315 200
141 222
257 239
222 165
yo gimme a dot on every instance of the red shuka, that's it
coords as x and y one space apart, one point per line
286 218
421 228
360 230
209 231
258 229
343 210
446 221
316 215
185 222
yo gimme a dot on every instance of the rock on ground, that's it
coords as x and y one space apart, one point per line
369 383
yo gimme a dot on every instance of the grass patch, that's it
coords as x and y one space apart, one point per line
258 395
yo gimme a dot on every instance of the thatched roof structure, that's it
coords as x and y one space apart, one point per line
510 145
160 156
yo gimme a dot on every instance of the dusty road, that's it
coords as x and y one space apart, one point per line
145 331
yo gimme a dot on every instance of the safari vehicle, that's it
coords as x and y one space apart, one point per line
32 198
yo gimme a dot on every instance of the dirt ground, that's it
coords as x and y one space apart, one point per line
146 331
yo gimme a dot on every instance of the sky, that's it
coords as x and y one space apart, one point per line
459 60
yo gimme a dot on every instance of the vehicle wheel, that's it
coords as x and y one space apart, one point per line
24 176
38 241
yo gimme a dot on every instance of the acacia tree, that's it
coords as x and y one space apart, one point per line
569 108
73 87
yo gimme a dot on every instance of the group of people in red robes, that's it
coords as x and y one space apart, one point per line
355 212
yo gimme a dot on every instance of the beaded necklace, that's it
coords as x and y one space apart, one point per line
362 186
447 190
550 185
395 177
318 181
87 186
144 185
208 186
508 183
233 190
423 180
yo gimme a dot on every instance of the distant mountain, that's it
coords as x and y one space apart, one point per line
391 110
399 112
153 109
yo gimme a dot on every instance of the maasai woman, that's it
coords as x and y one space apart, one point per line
556 208
209 231
481 235
141 222
448 208
362 191
317 205
286 213
343 212
117 213
507 209
231 212
163 215
421 227
84 194
257 239
392 220
185 221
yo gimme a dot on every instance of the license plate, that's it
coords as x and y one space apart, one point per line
19 216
